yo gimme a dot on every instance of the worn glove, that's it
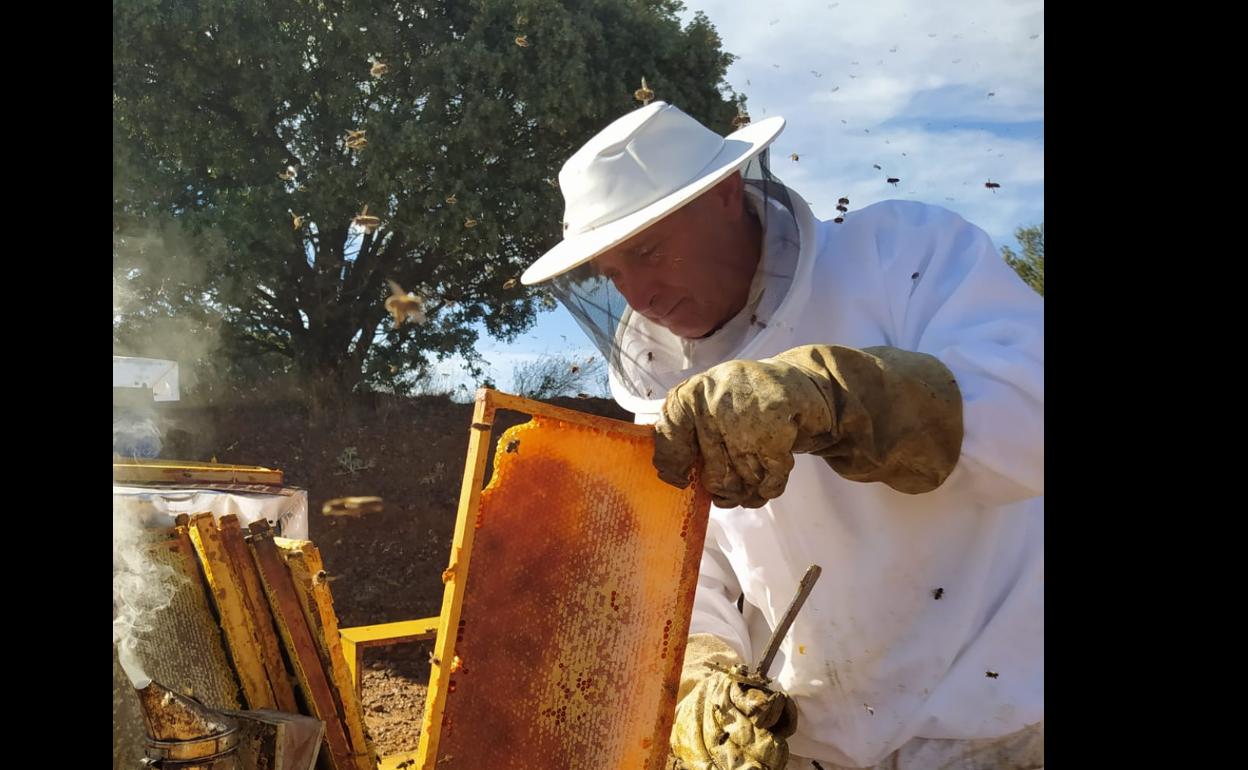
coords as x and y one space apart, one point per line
727 719
876 414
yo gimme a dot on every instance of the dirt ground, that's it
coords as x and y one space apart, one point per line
386 566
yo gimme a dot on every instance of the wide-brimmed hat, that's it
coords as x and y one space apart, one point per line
636 171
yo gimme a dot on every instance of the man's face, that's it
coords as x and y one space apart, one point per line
691 271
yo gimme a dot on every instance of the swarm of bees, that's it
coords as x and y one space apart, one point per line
379 68
643 94
404 305
356 139
366 222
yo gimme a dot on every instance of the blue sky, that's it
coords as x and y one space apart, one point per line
943 95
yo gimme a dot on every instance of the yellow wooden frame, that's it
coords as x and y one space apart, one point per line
488 402
187 472
359 638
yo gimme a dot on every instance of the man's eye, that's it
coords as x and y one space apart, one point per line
650 256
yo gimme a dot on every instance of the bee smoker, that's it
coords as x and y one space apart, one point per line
184 734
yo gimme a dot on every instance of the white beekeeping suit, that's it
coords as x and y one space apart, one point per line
922 642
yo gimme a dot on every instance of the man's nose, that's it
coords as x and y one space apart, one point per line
640 288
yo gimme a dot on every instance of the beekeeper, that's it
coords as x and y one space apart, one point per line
865 395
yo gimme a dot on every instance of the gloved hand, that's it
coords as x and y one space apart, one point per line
727 719
876 414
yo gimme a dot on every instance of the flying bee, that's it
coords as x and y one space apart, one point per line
644 94
365 221
404 305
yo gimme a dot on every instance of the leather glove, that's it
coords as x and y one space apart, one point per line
876 414
727 718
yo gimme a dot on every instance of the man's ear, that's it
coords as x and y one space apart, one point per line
728 196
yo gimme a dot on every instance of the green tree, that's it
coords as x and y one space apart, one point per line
235 180
1030 266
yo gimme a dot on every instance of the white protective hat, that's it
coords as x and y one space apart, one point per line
642 167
